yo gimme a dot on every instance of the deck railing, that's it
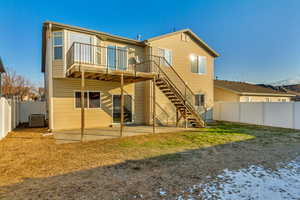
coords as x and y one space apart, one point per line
163 69
108 58
118 58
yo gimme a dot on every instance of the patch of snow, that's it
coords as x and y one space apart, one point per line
162 192
254 182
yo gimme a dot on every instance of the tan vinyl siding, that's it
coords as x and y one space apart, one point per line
225 95
58 69
139 100
199 83
66 116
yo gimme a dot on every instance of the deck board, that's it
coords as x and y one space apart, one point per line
104 74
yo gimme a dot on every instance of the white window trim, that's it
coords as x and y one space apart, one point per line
197 58
88 106
112 109
164 50
62 46
203 102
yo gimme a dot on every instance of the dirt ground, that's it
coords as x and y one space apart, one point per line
33 166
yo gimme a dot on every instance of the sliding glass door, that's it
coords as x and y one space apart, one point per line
117 108
117 58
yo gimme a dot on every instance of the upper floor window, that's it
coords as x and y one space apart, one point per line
198 64
58 45
167 54
199 99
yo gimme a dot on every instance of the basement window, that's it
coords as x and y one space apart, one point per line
199 99
92 99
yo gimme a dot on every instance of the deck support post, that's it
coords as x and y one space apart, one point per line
153 104
122 105
177 117
185 110
82 104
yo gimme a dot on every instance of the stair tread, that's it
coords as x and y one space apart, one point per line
178 102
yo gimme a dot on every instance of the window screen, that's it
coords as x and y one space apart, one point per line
58 45
94 100
78 99
199 100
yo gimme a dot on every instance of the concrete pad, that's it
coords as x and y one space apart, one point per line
67 136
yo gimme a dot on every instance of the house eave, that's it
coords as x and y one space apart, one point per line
191 33
102 35
256 93
2 69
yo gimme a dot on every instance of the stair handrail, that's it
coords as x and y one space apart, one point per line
184 84
172 68
174 88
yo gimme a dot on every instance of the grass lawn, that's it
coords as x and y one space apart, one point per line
34 166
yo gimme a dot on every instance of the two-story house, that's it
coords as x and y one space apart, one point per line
167 79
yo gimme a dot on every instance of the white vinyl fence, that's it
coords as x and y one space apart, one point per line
277 114
12 113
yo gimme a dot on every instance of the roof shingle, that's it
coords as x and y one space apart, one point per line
242 88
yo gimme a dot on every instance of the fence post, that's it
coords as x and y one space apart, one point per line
263 113
240 110
294 115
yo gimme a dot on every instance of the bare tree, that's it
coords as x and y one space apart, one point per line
17 85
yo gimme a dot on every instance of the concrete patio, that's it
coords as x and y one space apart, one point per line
67 136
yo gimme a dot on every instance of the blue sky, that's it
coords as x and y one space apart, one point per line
259 40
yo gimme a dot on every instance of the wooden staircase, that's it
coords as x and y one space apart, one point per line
179 101
175 89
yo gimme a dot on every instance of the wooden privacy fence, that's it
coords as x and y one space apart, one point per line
13 112
277 114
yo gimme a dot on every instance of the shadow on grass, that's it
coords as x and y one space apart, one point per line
142 179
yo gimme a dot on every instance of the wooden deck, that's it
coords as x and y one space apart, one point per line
69 136
104 74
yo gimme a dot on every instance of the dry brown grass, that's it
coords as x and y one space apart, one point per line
25 153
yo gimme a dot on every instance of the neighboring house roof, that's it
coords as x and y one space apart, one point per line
243 88
104 35
193 35
2 69
295 87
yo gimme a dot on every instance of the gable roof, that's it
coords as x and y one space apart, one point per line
243 88
193 35
109 36
2 69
